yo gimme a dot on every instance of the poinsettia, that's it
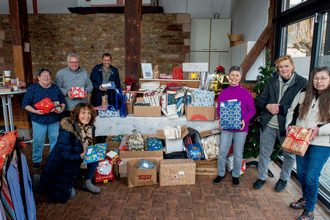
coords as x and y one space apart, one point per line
221 70
129 81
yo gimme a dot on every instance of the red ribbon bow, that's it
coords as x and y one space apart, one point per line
295 138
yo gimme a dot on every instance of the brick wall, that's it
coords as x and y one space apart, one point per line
165 40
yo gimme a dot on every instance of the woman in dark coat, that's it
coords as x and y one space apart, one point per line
63 163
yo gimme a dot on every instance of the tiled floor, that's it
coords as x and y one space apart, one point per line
204 200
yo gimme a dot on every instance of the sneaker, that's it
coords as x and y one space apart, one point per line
280 185
235 181
88 185
36 182
300 204
36 166
218 179
307 215
258 184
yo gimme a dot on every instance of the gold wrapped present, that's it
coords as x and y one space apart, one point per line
297 140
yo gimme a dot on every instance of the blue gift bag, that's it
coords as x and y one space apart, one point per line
230 114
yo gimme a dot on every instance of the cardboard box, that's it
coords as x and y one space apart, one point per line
297 140
140 177
177 172
126 156
146 111
206 167
112 145
184 132
129 108
210 132
196 113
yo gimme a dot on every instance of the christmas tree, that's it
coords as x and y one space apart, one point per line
252 143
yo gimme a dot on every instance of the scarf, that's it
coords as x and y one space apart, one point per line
85 133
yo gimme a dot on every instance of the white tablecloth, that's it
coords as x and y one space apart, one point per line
146 125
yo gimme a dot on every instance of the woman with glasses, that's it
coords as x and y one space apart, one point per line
43 123
310 109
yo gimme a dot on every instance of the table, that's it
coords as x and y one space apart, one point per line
146 125
7 107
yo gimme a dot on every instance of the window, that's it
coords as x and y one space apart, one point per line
287 4
302 30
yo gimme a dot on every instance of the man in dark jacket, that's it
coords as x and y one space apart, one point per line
104 72
274 102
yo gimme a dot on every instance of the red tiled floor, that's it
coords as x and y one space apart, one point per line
204 200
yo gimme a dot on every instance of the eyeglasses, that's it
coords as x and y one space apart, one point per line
74 62
44 76
322 79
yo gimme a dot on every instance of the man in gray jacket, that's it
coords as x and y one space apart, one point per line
73 76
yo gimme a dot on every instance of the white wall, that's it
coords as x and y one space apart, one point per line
197 8
249 17
44 6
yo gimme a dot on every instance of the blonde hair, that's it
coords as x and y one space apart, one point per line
282 58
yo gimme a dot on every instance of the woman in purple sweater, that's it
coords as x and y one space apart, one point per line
237 92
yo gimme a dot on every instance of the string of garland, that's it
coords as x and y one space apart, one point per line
252 143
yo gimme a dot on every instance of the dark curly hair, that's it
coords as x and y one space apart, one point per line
74 114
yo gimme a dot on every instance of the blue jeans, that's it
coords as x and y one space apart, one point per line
225 142
267 140
309 169
91 167
39 136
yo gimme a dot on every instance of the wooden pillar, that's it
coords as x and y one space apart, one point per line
21 40
133 20
35 6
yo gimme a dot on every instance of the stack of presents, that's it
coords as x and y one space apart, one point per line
172 100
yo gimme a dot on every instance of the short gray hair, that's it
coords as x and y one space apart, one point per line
72 55
235 68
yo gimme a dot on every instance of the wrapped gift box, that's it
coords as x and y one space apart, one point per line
203 98
230 114
46 105
95 153
110 84
297 140
109 113
177 172
78 92
154 143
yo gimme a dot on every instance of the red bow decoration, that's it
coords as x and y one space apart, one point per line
296 139
46 105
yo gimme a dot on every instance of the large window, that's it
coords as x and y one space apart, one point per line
303 31
287 4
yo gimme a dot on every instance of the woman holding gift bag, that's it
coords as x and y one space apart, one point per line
234 92
310 109
43 123
63 164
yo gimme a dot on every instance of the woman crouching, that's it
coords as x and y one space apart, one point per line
63 163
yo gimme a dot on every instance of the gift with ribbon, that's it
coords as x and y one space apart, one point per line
46 105
297 140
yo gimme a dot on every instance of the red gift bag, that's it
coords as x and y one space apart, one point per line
177 73
78 92
46 105
104 171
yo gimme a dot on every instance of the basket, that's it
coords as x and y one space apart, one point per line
235 37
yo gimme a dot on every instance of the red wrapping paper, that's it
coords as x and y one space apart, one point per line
46 105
